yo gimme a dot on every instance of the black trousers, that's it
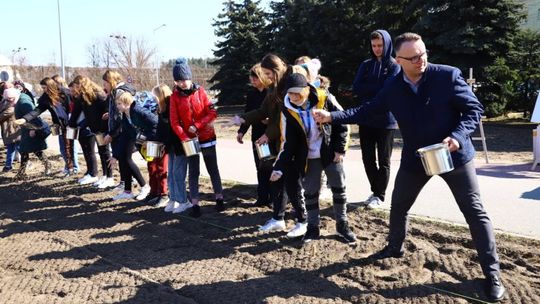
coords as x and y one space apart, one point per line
128 168
288 188
376 145
263 177
88 144
464 186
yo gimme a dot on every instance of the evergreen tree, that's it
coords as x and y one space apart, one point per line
468 33
525 59
241 28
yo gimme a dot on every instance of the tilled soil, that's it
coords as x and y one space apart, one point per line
64 243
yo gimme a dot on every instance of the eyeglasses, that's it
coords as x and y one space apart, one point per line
415 59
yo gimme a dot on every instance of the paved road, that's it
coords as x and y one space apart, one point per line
510 192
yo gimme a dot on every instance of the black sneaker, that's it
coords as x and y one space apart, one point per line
150 198
6 169
387 252
195 211
220 206
312 233
343 230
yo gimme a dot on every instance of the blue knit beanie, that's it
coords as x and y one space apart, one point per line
181 69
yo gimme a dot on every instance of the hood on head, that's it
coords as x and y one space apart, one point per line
388 47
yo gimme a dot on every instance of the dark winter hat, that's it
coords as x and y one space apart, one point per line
181 69
296 82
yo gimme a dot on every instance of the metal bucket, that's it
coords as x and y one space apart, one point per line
100 139
56 130
154 149
191 147
263 151
436 159
72 133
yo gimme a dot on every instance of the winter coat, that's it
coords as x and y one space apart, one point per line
114 124
165 134
11 132
59 112
254 100
193 109
294 146
93 113
270 108
24 106
370 79
443 106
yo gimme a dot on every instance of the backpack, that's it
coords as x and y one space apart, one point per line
147 100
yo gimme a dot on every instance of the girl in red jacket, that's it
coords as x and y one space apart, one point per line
192 115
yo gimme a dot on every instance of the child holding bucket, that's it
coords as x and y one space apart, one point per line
192 116
135 120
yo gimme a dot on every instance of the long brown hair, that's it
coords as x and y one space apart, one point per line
88 89
163 94
51 89
112 77
279 68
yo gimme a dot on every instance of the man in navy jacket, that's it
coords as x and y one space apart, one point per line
377 132
432 104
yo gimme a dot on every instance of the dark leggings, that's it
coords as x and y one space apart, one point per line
128 168
89 152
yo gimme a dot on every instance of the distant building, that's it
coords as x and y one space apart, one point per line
533 14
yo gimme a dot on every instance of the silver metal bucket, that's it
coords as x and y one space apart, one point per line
72 133
436 159
263 151
154 149
191 147
55 130
100 139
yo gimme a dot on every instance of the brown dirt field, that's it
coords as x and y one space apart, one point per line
64 243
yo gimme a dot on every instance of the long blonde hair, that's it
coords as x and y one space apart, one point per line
163 94
88 89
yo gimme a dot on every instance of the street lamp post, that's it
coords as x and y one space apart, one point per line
61 49
157 57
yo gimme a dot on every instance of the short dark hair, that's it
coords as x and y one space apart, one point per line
375 35
405 37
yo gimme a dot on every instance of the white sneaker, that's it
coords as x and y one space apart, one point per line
374 203
144 192
99 181
273 225
123 195
171 205
120 187
88 179
298 230
109 182
182 207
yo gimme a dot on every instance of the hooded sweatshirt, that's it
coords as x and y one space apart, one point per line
370 79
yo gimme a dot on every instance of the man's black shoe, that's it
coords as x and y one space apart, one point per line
220 206
343 230
195 211
312 233
387 252
494 288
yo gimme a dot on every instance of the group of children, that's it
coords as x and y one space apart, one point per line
111 118
278 108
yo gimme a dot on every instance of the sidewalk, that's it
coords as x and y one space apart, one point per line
510 192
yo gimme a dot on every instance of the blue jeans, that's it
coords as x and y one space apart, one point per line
176 179
12 149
